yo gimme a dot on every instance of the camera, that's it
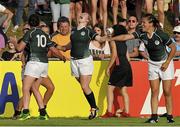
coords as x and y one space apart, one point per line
109 31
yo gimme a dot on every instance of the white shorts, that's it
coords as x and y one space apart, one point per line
154 70
82 66
36 69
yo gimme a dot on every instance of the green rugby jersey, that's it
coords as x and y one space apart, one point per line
80 40
156 45
39 43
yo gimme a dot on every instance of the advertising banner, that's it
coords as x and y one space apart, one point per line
68 99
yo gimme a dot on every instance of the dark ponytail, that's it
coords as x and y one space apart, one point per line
152 19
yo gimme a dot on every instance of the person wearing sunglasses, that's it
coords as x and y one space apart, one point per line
160 62
132 45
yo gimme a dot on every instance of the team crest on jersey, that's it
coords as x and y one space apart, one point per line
156 42
145 42
83 33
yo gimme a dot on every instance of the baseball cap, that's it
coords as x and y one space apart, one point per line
176 29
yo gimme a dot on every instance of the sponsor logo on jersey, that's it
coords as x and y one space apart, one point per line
83 33
156 42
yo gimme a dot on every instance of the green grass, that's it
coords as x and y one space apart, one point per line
78 121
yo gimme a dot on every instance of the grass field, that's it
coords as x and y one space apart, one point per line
77 121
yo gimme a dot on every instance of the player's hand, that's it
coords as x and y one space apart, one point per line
165 66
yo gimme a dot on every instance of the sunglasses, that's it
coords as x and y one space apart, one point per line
133 21
176 32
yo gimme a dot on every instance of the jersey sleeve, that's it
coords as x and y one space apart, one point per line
92 34
50 43
165 38
26 37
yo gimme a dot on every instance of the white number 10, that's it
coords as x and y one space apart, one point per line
41 40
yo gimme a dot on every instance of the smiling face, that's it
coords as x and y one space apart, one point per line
132 22
64 28
146 24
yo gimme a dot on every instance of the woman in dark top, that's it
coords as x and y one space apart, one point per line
121 75
160 62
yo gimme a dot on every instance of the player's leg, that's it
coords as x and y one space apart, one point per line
48 84
27 84
168 99
154 84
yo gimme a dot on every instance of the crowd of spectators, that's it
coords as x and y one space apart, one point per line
70 10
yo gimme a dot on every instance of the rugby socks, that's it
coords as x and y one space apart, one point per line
45 106
154 116
25 111
17 113
42 112
170 118
91 99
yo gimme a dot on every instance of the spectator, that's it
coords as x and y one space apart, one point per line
115 10
99 51
122 21
42 7
5 19
62 35
139 5
3 39
59 8
176 32
11 54
176 8
132 45
75 10
120 74
20 9
160 10
102 12
160 62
